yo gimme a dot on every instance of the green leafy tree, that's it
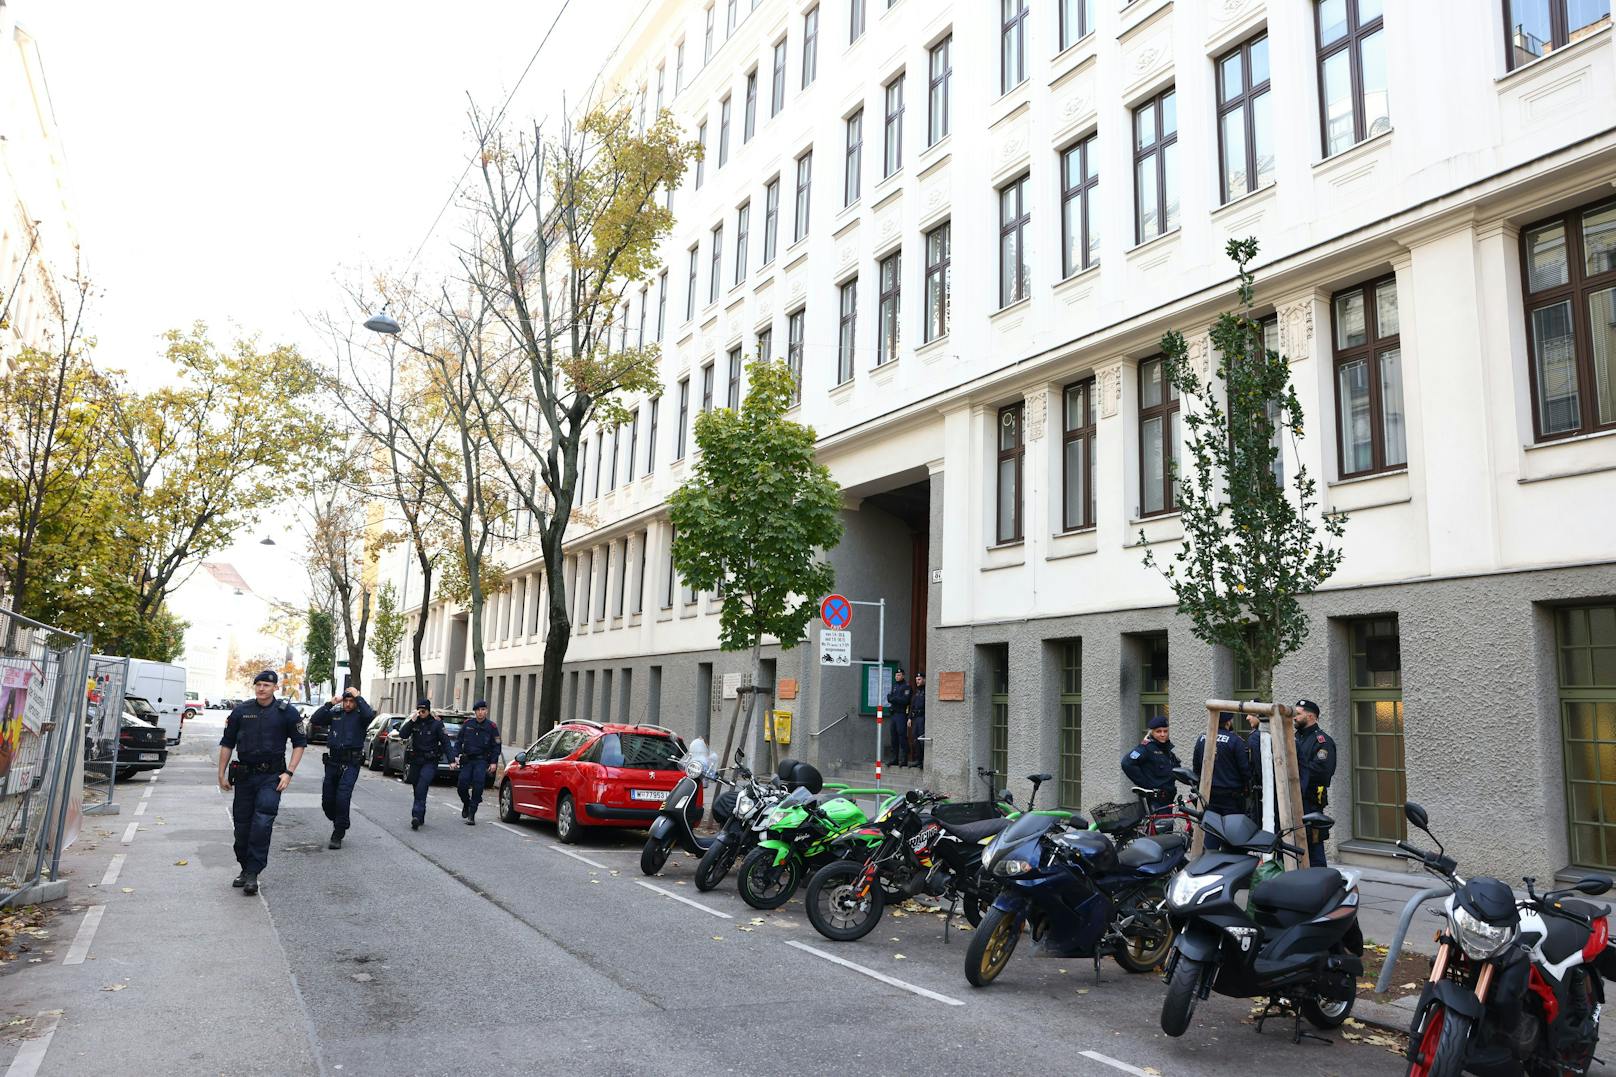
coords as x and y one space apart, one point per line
388 630
1250 551
755 517
321 647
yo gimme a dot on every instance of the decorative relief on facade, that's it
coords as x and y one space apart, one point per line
1227 10
1037 407
1075 105
888 227
1147 58
846 255
1009 148
1110 382
1199 353
1296 330
798 287
936 197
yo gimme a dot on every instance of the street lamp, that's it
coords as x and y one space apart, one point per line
266 540
383 322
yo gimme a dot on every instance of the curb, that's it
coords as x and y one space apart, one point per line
1381 1016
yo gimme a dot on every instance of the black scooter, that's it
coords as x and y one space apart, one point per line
1296 940
676 821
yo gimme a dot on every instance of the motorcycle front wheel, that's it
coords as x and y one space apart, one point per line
1442 1040
716 862
766 885
1179 1005
991 946
1148 938
655 854
834 906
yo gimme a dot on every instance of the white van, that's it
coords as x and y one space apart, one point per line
162 684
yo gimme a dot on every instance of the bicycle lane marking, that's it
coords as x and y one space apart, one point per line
874 975
85 935
31 1055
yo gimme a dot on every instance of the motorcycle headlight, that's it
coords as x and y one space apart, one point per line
1011 867
1479 939
1186 889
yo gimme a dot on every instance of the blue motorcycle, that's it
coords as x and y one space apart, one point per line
1079 893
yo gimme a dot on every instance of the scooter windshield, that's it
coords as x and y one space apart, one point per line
1027 828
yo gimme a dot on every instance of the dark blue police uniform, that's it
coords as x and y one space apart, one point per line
343 755
428 739
258 735
1150 766
477 750
917 725
1231 772
898 717
1315 765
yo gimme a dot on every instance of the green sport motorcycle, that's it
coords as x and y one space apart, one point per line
799 835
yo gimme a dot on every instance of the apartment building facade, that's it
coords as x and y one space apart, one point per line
967 226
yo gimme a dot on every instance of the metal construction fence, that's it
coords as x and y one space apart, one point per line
44 677
103 722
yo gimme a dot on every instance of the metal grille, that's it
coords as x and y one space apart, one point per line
1378 784
1152 689
1071 736
1585 644
999 720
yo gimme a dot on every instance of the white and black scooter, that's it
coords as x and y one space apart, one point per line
675 823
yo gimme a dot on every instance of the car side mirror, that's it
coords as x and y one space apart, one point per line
1593 884
1416 815
521 759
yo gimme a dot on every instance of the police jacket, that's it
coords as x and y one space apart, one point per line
427 737
259 733
917 705
1151 765
347 727
899 699
1231 767
479 740
1315 764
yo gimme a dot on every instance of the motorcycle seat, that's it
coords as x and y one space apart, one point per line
1142 851
1306 890
974 832
1566 937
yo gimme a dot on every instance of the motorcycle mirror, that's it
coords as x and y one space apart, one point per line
1594 884
740 757
1184 775
1004 795
912 796
521 758
1416 815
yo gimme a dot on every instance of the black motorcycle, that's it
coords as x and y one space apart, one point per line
1297 939
753 799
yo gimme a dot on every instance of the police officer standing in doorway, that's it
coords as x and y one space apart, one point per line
257 732
917 722
427 740
349 716
898 714
1315 765
1231 771
1151 765
478 752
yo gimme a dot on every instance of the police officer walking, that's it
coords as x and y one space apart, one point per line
1151 765
917 722
349 716
1231 771
478 753
257 732
898 715
427 740
1315 765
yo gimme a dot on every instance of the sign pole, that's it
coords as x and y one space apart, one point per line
880 681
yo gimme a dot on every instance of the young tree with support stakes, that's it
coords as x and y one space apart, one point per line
388 631
321 647
755 518
1249 552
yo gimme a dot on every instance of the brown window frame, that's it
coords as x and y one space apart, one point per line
796 327
1018 454
939 83
1577 289
1083 192
892 127
942 270
1165 410
681 442
846 330
1245 102
1082 14
1352 40
707 386
749 113
1085 432
1559 33
802 204
1012 26
732 383
1157 150
743 238
853 159
887 321
1016 188
1372 347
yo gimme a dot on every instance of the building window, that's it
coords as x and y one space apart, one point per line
661 81
661 303
600 450
621 591
771 219
633 447
671 577
732 387
730 20
777 87
999 717
1352 72
583 468
1155 166
706 387
1538 27
855 20
1080 414
937 281
941 75
1245 119
680 434
723 132
707 36
701 158
1080 206
749 118
855 157
611 461
651 435
1585 646
1376 694
1569 276
765 345
690 290
810 45
1076 21
639 588
715 267
743 228
1014 280
1070 791
848 334
679 67
1012 44
1153 679
805 175
887 315
892 145
1012 452
1158 439
1369 379
794 328
1270 337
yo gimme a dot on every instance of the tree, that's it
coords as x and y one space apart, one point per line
1248 554
388 632
247 668
338 553
321 647
754 518
562 227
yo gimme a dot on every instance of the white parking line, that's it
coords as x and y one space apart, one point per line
129 832
31 1055
113 869
1107 1060
685 900
512 829
140 809
153 778
575 856
872 974
84 936
147 794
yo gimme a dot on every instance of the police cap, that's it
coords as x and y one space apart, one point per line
1307 705
267 677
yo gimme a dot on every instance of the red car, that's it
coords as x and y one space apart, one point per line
583 774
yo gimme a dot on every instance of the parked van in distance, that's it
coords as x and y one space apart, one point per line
162 684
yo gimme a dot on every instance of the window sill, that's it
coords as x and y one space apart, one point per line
932 350
847 214
888 186
796 252
883 373
1581 44
1010 103
934 155
1361 492
839 393
1567 457
1004 555
1071 280
1354 152
1140 248
1078 543
1245 201
1002 311
1162 527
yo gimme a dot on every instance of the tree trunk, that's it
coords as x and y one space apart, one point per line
419 636
559 634
356 642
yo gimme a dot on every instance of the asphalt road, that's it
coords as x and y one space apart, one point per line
494 949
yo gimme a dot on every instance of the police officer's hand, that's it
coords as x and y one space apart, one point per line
224 785
492 767
286 779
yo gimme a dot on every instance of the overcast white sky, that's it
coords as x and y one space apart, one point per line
229 160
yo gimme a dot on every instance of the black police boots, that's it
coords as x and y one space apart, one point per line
415 824
240 880
336 840
249 885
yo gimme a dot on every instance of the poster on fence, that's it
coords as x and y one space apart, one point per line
15 679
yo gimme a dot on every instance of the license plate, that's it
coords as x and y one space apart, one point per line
144 756
648 794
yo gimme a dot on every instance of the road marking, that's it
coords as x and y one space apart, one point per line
153 778
113 869
685 900
872 974
575 856
129 832
1107 1060
31 1055
512 829
140 809
85 935
147 794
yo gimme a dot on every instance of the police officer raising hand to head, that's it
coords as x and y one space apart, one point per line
428 740
349 715
257 732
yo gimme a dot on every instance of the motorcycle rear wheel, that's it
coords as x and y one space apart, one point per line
1441 1051
655 854
991 946
1326 1013
1151 939
1182 994
765 886
716 862
833 904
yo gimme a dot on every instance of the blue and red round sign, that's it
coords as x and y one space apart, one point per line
836 611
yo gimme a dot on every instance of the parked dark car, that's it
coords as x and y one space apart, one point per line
318 732
377 735
141 743
448 769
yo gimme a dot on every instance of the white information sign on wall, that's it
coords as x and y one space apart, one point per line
835 647
732 685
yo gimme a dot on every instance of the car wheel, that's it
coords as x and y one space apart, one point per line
507 803
375 760
567 828
125 773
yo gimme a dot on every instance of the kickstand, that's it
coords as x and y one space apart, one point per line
1096 967
1297 1033
949 919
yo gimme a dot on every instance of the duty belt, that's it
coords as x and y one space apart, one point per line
276 767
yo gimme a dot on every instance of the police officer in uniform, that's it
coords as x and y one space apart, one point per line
478 752
1151 765
898 715
427 739
1315 765
349 716
1231 771
917 722
257 732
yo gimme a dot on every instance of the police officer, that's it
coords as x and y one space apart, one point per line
898 715
349 716
1151 765
428 740
257 731
1315 765
478 753
1231 770
917 722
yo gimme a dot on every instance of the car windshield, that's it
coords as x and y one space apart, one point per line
140 707
641 751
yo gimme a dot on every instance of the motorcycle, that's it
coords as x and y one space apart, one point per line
794 837
1516 986
676 820
1297 939
1081 894
753 799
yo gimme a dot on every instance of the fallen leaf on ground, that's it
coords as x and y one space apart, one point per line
128 889
114 987
181 863
746 929
899 957
718 938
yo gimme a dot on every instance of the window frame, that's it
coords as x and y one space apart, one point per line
1016 453
726 111
892 129
662 304
1085 433
681 442
1351 41
707 386
803 202
1244 102
1577 290
633 446
936 328
1157 150
856 20
1016 227
777 78
1012 26
715 263
1559 33
732 382
749 109
771 220
939 87
743 235
847 330
1083 192
796 328
695 273
853 161
652 415
707 35
889 308
701 158
1166 410
1084 17
810 46
1371 349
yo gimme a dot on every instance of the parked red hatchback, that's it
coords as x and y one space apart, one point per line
583 774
